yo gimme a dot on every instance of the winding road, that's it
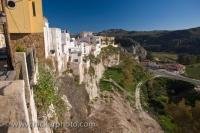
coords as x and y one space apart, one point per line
159 73
171 75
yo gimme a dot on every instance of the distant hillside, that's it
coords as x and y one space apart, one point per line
180 41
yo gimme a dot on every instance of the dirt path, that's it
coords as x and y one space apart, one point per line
147 121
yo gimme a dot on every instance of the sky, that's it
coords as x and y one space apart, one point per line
139 15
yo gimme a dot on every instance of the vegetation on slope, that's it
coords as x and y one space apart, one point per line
45 94
188 59
165 57
108 51
193 71
174 103
127 74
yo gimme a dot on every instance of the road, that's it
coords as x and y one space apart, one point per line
171 75
158 73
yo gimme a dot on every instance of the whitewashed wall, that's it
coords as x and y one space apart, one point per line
56 42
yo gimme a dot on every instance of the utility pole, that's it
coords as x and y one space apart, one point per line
10 60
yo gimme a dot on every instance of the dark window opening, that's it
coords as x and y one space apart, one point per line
79 54
75 60
34 10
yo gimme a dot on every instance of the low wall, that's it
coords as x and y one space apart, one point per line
27 66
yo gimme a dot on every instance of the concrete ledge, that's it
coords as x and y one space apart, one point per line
13 107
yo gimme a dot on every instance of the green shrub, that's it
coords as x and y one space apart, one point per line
167 124
93 59
91 71
110 50
105 86
20 48
45 94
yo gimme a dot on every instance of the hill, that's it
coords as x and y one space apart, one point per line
179 41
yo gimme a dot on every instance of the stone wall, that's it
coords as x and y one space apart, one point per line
35 40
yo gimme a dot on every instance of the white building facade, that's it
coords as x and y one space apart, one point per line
56 47
71 53
47 38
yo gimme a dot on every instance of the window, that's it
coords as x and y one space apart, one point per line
70 58
79 54
33 8
75 60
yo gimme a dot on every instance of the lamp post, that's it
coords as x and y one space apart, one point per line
4 21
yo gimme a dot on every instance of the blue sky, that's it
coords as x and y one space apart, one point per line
97 15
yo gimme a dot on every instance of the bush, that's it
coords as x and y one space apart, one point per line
91 71
93 59
20 48
105 86
107 51
45 94
127 74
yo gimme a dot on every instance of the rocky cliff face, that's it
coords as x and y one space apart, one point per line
105 112
91 80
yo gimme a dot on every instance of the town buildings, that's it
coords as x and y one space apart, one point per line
71 53
105 41
172 67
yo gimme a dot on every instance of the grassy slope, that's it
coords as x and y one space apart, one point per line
163 56
193 71
127 75
113 73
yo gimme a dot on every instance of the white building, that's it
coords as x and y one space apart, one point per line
56 47
71 52
47 38
96 45
65 41
86 34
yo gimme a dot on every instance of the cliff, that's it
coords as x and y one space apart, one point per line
88 103
91 79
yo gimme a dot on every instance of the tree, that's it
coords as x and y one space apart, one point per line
149 55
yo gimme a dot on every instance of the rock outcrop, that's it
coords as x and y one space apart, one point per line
92 80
